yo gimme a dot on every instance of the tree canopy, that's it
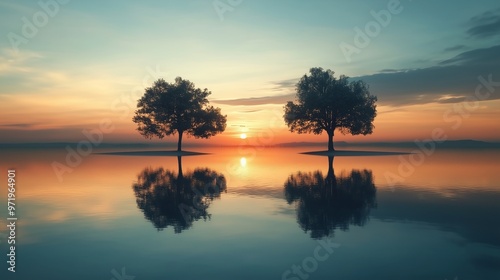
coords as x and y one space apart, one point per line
325 203
326 103
177 200
179 107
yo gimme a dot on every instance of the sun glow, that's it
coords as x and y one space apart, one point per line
243 136
243 162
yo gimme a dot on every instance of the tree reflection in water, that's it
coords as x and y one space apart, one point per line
175 199
327 203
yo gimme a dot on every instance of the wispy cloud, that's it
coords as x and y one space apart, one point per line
485 25
250 111
394 70
457 76
17 62
475 57
288 84
274 99
454 99
19 125
448 81
455 48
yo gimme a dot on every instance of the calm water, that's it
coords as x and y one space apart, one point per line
254 214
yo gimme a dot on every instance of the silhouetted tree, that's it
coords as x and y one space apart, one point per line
327 203
179 107
326 103
177 200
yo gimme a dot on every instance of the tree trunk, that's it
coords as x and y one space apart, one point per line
179 167
331 172
179 144
331 180
330 141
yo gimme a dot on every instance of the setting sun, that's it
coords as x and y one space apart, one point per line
243 136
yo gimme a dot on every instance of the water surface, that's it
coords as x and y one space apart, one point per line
254 213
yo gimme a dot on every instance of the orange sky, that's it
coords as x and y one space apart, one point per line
262 124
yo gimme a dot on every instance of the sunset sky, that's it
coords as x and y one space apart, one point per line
66 67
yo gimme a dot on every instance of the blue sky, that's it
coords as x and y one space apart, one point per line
90 54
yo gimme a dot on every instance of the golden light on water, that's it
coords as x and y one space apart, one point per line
243 162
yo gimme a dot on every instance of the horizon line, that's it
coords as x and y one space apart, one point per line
280 144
